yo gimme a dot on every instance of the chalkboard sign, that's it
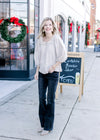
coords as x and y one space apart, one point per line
71 70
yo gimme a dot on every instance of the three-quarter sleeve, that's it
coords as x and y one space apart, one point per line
37 54
61 50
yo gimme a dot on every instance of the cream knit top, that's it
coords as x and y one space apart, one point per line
48 53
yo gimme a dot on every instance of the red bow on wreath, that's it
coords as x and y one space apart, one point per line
15 21
1 20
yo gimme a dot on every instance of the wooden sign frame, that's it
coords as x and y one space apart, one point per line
81 84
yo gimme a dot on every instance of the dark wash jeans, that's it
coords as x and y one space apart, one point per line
47 100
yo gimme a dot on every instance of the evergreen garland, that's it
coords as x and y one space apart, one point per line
82 28
69 20
77 27
5 34
87 35
70 24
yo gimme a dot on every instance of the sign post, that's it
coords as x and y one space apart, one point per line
72 72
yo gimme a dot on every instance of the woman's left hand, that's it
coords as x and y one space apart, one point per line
51 69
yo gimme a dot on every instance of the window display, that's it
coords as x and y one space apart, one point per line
4 59
15 54
17 58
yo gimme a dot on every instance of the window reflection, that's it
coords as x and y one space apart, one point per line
4 59
18 0
32 25
18 54
4 0
18 58
19 10
36 2
31 35
14 58
14 33
77 42
3 43
69 41
76 39
4 10
4 55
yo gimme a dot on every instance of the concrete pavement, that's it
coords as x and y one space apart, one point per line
74 120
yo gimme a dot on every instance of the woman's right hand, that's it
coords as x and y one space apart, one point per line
36 76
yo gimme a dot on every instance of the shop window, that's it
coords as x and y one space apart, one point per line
4 0
70 41
17 59
13 56
60 25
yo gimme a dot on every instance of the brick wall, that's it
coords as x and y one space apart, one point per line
92 21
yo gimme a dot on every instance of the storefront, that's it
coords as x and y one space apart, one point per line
17 59
60 25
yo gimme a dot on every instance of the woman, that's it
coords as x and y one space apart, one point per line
50 52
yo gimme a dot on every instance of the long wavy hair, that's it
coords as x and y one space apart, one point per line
41 30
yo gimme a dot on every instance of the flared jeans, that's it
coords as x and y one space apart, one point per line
47 85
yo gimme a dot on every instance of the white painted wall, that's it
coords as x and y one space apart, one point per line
65 8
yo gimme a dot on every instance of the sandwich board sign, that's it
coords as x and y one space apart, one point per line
72 72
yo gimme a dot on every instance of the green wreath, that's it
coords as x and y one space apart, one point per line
5 34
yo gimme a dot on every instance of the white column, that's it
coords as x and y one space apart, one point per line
51 8
74 48
66 33
42 10
80 43
46 9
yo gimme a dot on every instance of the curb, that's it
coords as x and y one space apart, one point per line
16 93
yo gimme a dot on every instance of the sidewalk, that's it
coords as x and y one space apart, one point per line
74 120
8 88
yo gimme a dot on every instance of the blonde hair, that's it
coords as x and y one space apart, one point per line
41 30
